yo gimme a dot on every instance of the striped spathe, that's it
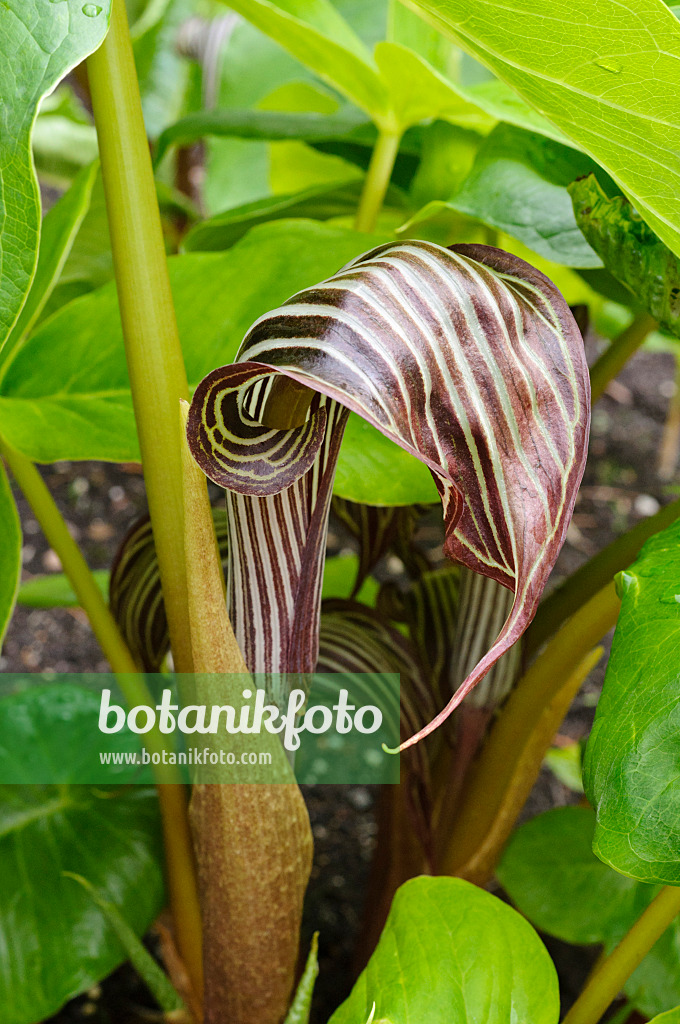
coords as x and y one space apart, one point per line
468 358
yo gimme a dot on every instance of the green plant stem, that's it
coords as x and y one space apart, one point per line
89 596
533 708
377 179
154 356
614 358
608 980
158 381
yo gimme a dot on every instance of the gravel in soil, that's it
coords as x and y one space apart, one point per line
101 501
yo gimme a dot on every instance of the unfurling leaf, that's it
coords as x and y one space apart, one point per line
467 358
629 249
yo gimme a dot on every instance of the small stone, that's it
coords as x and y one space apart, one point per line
99 530
646 505
51 561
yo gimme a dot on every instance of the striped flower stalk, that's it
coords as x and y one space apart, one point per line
469 359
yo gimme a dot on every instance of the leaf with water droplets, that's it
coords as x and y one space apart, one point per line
630 771
39 44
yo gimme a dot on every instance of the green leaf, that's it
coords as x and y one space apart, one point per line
317 35
605 74
64 139
301 1006
271 125
372 468
10 552
56 942
140 958
671 1017
518 184
39 43
630 250
503 103
164 75
418 92
338 580
427 965
58 400
55 591
566 764
59 229
552 876
319 203
630 771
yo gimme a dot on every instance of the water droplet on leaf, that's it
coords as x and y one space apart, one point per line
609 65
91 10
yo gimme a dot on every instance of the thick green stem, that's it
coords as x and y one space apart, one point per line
614 358
608 980
158 381
154 356
377 179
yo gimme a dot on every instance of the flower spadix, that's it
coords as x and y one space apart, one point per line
468 358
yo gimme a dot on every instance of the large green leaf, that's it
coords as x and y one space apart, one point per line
10 552
59 230
631 769
452 953
55 940
671 1017
607 74
552 876
630 250
371 469
319 203
418 92
271 125
58 402
39 43
55 590
518 184
317 35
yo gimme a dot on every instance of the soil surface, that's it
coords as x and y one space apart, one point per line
100 502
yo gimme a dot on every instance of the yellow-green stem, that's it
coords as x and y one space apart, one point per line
158 381
614 358
154 356
377 179
608 980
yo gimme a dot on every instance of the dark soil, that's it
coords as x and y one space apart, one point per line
101 501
